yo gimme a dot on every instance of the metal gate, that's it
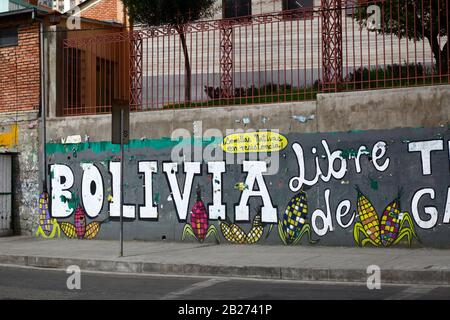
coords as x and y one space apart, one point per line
5 195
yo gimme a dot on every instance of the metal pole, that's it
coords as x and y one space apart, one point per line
121 182
43 108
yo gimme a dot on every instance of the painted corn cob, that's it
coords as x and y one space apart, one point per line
92 229
294 224
81 229
294 217
256 231
390 222
48 227
369 218
199 227
69 230
44 215
199 218
387 231
80 222
234 233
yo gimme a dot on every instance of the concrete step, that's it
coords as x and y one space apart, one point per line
397 276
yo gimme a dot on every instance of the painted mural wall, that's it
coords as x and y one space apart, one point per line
370 188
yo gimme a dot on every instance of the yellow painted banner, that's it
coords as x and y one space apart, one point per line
265 141
9 139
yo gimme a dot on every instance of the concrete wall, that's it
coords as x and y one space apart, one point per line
20 137
379 141
365 110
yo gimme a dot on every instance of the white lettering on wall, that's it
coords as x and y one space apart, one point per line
92 190
447 208
255 170
431 211
378 152
332 158
114 207
342 210
325 217
300 180
61 181
181 201
148 211
425 148
217 210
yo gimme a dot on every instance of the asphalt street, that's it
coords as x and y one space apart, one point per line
33 283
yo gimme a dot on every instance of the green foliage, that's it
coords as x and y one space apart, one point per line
389 72
391 76
173 12
415 20
363 78
410 18
269 93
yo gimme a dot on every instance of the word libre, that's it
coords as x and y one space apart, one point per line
93 186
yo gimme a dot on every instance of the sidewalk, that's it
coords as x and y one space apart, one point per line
425 266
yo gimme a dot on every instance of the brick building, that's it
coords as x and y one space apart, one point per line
31 38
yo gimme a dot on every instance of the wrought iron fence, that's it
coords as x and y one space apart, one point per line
291 55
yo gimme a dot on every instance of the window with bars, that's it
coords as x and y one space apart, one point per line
297 4
105 82
236 8
73 82
298 9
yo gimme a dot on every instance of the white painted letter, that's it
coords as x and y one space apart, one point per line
61 181
217 209
447 208
326 217
181 202
380 146
148 211
341 211
92 190
332 157
425 148
255 170
431 211
300 180
114 207
361 151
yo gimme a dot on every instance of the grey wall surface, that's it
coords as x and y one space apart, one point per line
403 174
397 121
365 110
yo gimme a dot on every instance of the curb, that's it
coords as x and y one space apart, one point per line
427 277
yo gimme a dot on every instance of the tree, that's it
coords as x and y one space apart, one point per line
415 19
176 14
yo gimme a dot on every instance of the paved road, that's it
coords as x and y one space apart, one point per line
32 283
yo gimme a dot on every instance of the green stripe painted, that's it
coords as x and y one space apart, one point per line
107 146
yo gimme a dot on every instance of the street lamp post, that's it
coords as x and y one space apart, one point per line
120 135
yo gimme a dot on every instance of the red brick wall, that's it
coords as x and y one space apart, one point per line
105 10
19 72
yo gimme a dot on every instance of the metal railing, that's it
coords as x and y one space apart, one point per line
285 56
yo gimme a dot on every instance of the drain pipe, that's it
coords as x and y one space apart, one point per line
43 106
